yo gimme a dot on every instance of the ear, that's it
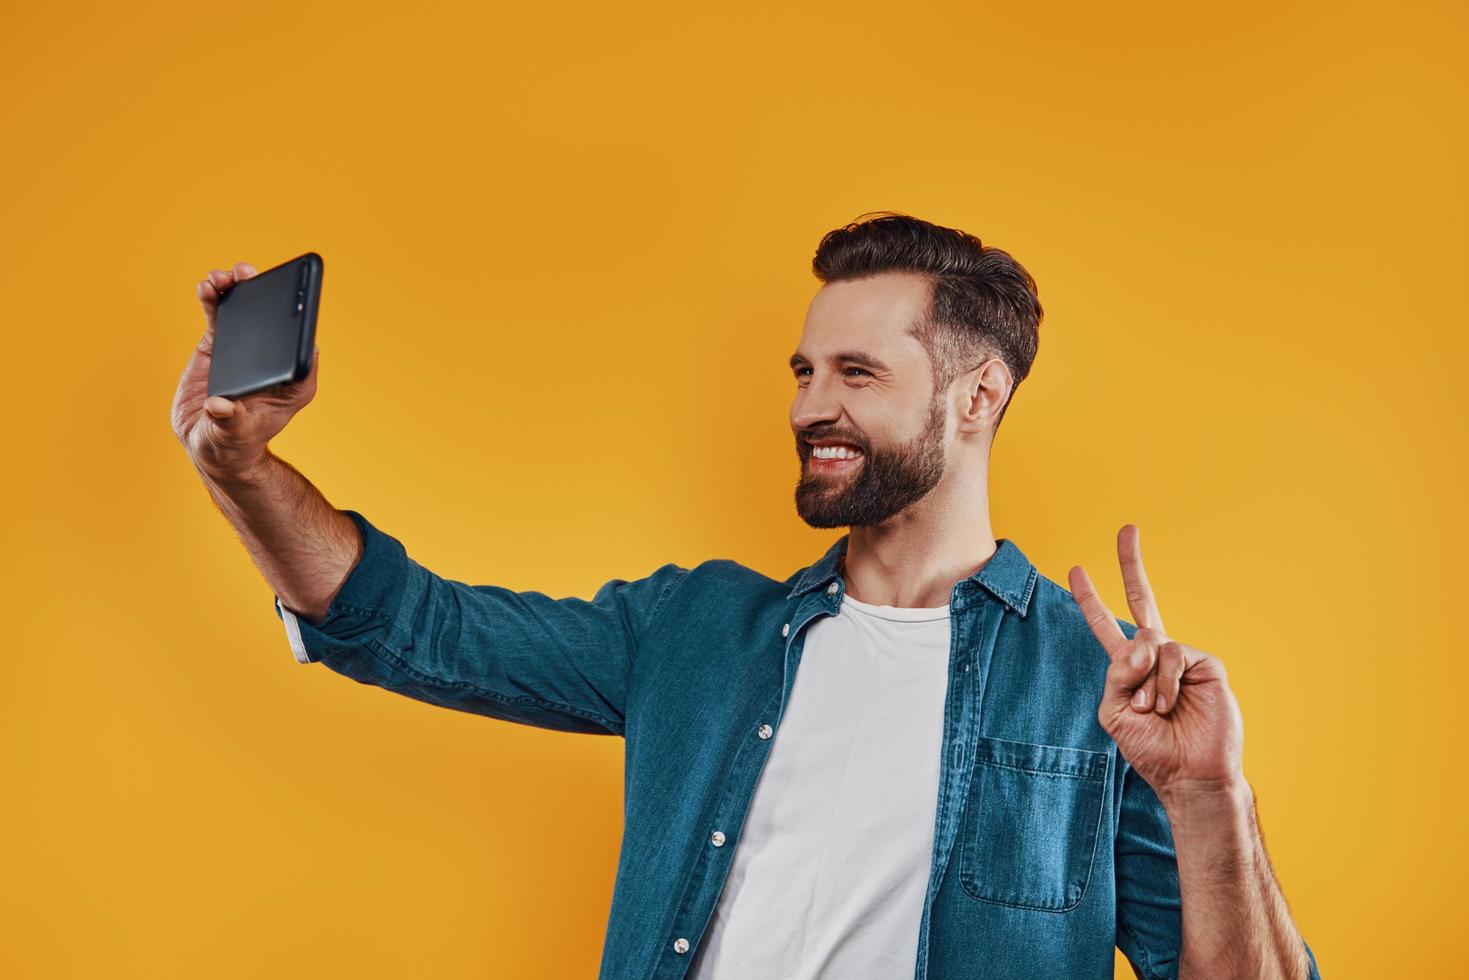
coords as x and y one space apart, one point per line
982 392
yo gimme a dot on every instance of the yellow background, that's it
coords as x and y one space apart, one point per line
567 255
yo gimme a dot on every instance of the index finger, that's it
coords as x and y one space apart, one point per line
212 286
1103 624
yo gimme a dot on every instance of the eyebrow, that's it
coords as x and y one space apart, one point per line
859 356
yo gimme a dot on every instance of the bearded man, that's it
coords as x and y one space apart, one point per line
915 756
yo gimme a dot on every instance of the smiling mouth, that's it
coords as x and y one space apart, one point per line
835 464
832 449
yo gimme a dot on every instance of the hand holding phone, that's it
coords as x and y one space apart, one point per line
227 436
265 328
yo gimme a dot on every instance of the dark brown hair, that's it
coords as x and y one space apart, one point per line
984 302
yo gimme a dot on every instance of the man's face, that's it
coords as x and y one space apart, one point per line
865 390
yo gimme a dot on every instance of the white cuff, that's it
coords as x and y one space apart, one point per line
293 632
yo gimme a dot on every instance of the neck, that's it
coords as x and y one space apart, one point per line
914 559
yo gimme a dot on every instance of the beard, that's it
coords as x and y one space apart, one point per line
887 480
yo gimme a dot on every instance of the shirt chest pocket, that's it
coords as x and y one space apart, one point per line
1031 824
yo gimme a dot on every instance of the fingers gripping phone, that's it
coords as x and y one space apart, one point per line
265 328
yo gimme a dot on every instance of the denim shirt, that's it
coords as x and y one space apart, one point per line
1049 849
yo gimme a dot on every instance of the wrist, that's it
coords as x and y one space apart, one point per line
1230 795
238 476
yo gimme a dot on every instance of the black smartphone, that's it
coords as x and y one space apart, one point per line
265 328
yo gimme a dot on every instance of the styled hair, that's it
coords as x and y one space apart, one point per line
983 304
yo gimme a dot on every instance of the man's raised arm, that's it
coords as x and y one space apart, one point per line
352 599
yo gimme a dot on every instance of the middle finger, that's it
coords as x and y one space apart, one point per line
1139 593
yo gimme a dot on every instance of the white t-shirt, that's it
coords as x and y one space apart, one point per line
831 866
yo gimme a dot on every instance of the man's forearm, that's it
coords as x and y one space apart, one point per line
1235 920
303 545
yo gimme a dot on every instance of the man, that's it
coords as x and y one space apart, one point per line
915 756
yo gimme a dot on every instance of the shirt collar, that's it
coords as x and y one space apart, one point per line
1008 575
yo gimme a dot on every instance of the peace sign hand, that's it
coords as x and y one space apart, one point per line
1166 704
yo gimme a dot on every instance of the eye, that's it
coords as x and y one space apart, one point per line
801 371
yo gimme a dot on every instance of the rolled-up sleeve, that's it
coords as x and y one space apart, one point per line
1149 906
523 657
293 632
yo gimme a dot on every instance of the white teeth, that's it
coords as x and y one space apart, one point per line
834 452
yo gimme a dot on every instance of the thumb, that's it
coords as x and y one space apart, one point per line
1130 672
220 407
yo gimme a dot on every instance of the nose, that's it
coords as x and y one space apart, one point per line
813 407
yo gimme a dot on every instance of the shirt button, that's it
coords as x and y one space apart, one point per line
717 838
765 731
680 945
785 630
832 589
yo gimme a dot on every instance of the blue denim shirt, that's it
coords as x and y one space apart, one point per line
1049 850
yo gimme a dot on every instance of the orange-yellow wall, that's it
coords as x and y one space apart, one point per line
567 254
